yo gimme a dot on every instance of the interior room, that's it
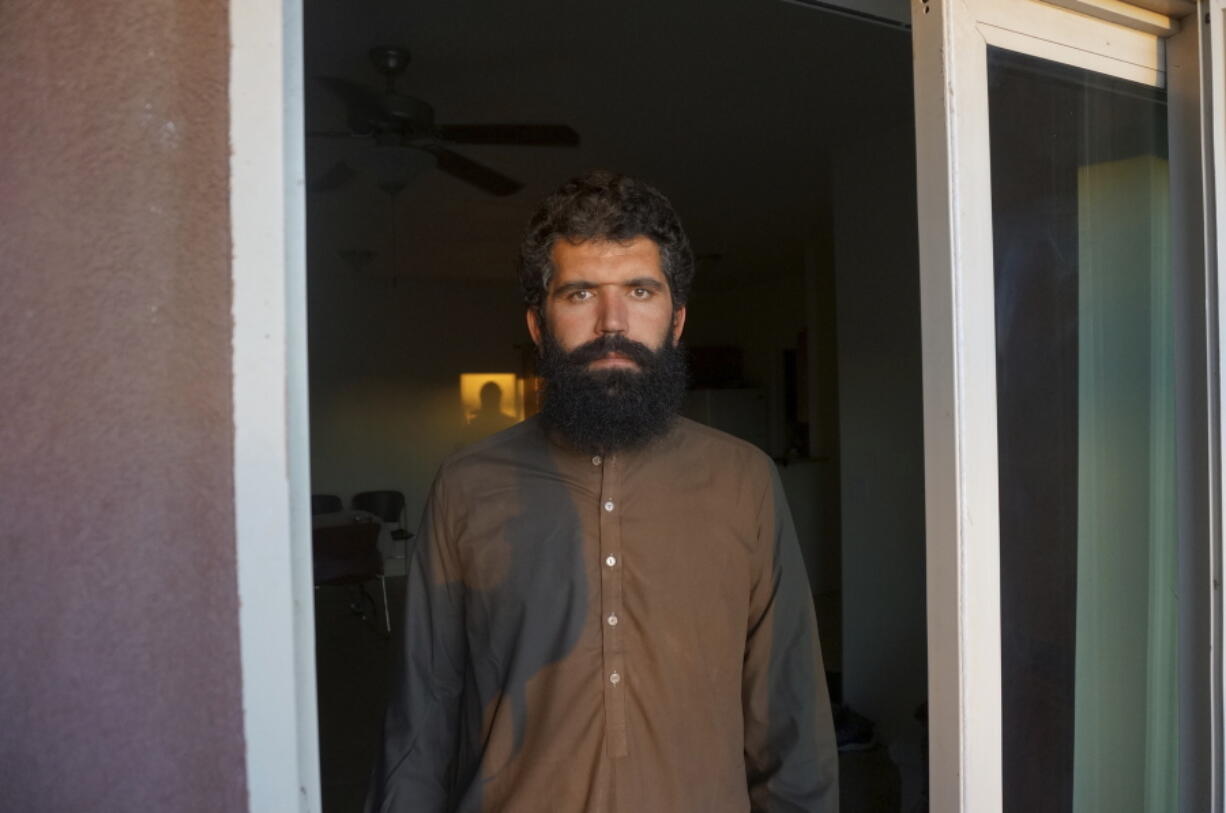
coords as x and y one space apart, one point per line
783 133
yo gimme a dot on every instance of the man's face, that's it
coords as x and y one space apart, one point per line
602 288
614 374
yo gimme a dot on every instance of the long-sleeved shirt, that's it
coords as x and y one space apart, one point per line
625 634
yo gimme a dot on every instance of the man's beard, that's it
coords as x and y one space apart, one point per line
611 410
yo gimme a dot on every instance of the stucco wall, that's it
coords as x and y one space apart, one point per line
120 683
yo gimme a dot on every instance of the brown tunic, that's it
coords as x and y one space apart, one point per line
628 634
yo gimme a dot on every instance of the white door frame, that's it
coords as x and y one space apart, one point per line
1211 70
271 429
1195 259
950 41
960 461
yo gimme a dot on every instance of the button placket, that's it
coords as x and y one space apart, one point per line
611 596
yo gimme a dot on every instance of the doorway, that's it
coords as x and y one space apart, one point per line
784 136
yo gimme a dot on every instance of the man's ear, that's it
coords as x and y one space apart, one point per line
533 315
678 323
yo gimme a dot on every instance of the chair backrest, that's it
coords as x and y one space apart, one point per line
325 504
348 553
386 505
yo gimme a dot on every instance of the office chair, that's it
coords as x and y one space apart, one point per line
325 504
389 507
348 554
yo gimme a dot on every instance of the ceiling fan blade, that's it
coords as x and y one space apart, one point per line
527 135
364 104
337 176
471 172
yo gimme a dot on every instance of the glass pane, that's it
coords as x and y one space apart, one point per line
1085 389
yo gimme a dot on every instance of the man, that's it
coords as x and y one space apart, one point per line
607 609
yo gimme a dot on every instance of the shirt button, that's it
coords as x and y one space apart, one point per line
612 619
612 560
608 505
596 460
615 678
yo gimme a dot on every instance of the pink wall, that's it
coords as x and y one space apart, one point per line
119 661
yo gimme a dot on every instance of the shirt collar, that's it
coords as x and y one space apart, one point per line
567 451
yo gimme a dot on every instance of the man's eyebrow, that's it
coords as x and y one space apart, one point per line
576 285
586 285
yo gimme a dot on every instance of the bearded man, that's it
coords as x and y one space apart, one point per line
607 609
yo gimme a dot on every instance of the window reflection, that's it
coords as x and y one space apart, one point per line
1085 397
490 402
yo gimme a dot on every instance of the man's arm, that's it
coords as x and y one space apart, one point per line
790 759
416 766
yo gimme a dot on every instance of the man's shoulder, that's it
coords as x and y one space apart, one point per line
511 446
718 448
508 450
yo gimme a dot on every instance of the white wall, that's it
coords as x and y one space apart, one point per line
764 314
881 429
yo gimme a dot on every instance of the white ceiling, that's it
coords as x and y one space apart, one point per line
732 107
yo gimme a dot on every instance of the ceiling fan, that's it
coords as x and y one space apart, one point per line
393 119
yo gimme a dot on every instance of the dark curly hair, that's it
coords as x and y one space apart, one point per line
604 205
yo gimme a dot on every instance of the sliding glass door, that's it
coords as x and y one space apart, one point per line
1070 406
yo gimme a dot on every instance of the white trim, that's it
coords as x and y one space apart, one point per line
1194 286
1121 13
1047 26
270 420
1175 9
960 457
1143 73
1214 66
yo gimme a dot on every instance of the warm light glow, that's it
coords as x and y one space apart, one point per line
510 403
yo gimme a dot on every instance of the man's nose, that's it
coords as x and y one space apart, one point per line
612 315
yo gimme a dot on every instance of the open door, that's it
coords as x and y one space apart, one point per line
1071 396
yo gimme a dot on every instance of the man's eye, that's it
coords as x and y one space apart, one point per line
641 293
580 295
